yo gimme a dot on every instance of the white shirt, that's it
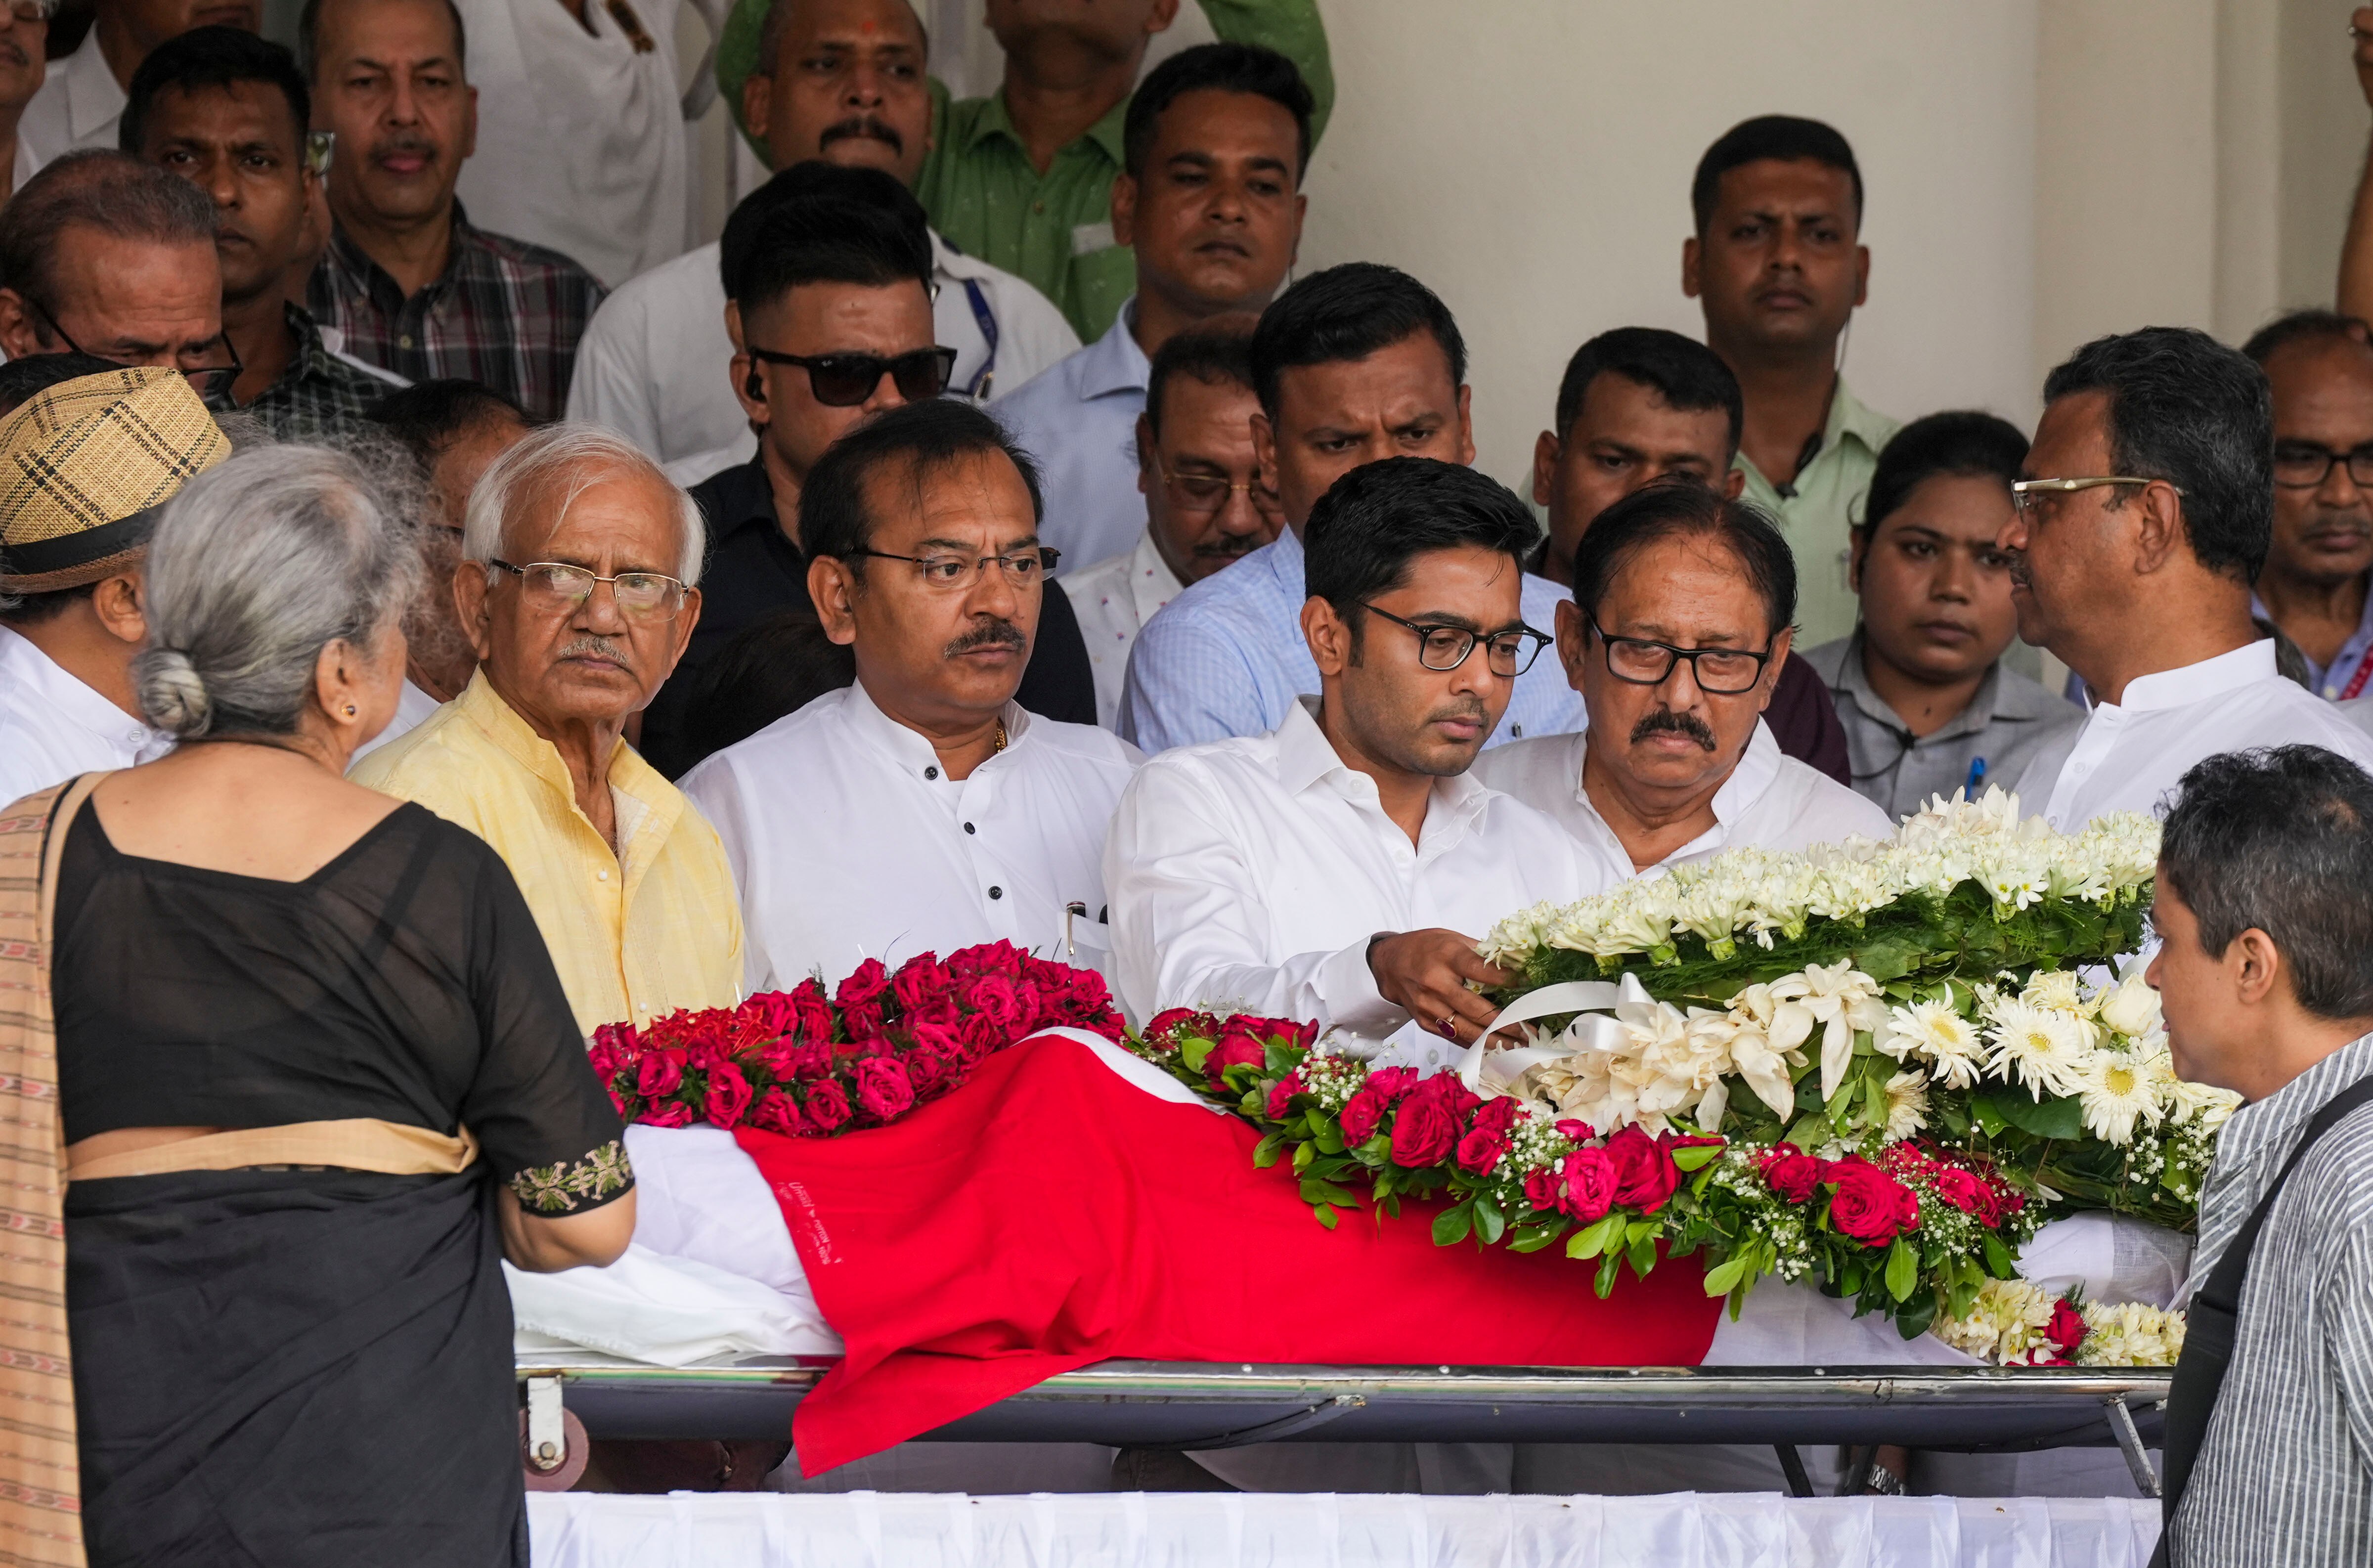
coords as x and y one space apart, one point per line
1112 599
1080 421
581 140
412 706
1770 801
52 727
847 843
2131 755
655 364
1248 875
78 106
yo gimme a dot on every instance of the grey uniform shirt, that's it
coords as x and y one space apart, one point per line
2285 1475
2009 720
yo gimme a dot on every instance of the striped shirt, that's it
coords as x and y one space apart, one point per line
635 934
2286 1472
505 313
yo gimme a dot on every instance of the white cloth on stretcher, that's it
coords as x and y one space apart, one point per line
712 1272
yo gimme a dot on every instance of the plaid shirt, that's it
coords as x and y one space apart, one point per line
319 395
506 314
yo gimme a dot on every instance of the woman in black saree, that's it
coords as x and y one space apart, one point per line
312 1057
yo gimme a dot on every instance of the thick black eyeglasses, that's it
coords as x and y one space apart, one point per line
2299 465
1719 672
1509 654
844 380
211 382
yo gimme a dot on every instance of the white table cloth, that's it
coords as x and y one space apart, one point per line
1229 1530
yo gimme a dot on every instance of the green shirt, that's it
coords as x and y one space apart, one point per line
1054 228
1820 508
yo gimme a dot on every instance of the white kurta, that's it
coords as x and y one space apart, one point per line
655 364
1770 801
52 727
1113 600
2131 755
847 843
1249 875
581 138
78 106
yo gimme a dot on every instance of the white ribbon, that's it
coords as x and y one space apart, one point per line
1592 1032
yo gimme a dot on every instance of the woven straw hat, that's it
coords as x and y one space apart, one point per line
85 466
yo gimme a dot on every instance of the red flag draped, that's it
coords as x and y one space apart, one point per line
1049 1214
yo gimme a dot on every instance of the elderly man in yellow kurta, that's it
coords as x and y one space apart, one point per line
578 587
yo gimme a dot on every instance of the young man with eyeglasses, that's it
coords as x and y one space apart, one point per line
922 808
2320 557
1340 867
831 311
1205 505
103 254
2145 511
228 112
1678 627
1210 204
580 584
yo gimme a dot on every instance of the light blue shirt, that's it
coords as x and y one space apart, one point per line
1226 657
1079 419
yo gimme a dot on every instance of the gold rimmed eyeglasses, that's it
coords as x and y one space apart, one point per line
2025 493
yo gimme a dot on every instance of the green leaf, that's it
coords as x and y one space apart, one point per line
1592 1240
1490 1223
1902 1270
2062 1117
1691 1159
1724 1279
1637 1231
1328 1136
1532 1238
1195 1051
1452 1225
1302 1155
1885 959
1604 1283
1265 1152
1988 1120
1912 1318
1325 1214
1281 1058
1999 1261
1642 1256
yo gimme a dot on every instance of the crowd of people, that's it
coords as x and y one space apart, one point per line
423 643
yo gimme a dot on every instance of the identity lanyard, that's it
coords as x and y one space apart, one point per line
986 376
2356 681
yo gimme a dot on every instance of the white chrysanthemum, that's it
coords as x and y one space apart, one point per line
1907 1106
2054 988
1937 1034
2117 1089
2040 1047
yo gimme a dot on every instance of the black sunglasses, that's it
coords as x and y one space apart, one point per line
844 380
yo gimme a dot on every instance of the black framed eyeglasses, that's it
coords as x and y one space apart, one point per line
558 585
844 380
2303 465
949 570
1719 672
211 382
1509 654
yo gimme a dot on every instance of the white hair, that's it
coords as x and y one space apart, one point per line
573 456
255 567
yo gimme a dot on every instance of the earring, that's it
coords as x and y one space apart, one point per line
350 710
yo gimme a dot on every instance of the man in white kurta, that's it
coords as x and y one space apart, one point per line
1339 868
2146 512
1675 637
921 809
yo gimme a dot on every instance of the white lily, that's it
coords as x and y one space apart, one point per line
1842 1000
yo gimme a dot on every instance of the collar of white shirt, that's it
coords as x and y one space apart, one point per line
910 749
1306 758
38 683
2198 682
93 95
1113 363
1152 583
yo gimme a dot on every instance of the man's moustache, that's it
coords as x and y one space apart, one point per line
14 53
1666 718
863 125
592 647
1229 547
992 634
394 144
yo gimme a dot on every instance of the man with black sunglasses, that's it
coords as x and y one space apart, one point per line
1676 635
830 308
104 255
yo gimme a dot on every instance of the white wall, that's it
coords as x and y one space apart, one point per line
1530 159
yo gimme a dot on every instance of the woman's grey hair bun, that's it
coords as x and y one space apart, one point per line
173 694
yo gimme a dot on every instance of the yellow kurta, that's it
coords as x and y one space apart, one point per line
634 935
